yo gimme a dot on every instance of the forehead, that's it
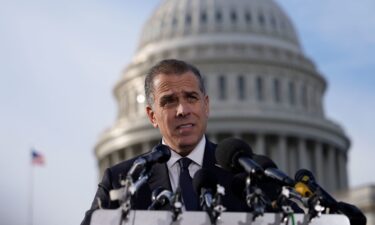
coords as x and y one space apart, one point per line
171 83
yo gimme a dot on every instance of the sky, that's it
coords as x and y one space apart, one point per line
59 63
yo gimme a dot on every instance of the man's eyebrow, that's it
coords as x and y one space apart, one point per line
166 97
191 93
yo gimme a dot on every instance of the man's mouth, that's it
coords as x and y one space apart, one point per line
182 126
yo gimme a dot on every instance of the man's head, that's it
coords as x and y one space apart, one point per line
177 104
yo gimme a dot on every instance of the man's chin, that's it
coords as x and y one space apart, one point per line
185 147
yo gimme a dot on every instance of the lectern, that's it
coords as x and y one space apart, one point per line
143 217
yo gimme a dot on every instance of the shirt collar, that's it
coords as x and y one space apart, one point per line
196 155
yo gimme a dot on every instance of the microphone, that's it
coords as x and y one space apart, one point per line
204 183
159 154
271 171
235 155
160 197
308 185
306 177
352 212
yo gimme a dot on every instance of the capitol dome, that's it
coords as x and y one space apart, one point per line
262 87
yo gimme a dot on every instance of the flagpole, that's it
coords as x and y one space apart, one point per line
31 194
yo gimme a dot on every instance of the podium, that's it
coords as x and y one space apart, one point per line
149 217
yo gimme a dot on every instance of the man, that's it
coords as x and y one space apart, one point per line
177 105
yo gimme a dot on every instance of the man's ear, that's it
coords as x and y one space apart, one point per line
151 116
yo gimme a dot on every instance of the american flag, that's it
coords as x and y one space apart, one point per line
37 158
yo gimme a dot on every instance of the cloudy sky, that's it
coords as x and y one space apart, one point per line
61 59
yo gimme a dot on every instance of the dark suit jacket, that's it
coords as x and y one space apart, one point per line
159 177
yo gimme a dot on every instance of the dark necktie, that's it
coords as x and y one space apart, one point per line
186 185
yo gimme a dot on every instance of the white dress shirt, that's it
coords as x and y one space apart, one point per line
197 160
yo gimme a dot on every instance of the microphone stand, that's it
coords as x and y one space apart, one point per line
125 194
283 203
314 206
255 198
217 204
214 207
176 205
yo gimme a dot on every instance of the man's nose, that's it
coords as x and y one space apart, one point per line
183 109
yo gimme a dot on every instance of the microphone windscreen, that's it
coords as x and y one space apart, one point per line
264 161
229 150
164 153
205 178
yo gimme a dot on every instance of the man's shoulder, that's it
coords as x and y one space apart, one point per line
210 144
122 168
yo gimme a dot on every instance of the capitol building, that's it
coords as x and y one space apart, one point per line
262 87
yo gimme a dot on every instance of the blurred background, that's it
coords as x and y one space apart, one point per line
60 61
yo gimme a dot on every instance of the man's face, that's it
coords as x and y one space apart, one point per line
180 111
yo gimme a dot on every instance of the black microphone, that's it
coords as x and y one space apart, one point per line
306 177
160 197
159 154
235 155
204 183
271 171
352 212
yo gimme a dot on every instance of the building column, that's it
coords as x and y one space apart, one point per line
342 169
318 154
331 173
292 165
302 154
345 169
129 152
114 157
259 144
282 154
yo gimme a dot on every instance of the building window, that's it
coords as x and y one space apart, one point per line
304 96
125 104
292 94
222 88
273 22
241 87
248 17
162 24
174 22
276 90
218 17
188 20
261 19
233 16
203 17
259 89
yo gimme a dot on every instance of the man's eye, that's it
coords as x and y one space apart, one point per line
168 102
192 98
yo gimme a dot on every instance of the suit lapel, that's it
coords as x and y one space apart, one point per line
209 160
159 177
